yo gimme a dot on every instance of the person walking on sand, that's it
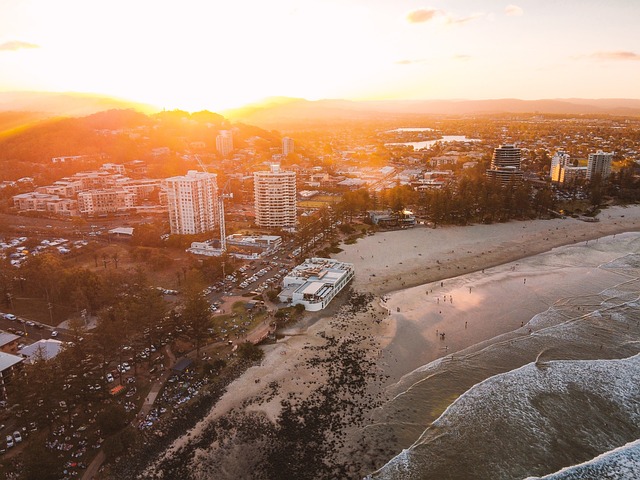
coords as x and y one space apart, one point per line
525 281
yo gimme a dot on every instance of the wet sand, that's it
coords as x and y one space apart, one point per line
393 342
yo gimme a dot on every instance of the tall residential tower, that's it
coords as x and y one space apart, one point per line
599 165
275 198
505 164
192 202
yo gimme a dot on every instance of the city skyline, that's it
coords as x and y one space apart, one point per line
196 55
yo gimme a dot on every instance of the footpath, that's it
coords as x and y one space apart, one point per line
147 405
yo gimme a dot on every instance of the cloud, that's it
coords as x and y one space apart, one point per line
513 11
619 55
409 62
463 20
423 15
16 45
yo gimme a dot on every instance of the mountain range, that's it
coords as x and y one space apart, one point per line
289 113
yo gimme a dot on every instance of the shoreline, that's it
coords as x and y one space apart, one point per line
373 332
451 251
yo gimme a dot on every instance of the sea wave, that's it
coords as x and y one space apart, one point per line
526 402
622 463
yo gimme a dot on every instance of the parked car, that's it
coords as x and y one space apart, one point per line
17 436
109 377
54 333
10 441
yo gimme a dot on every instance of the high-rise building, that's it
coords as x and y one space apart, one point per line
506 156
275 198
559 161
287 146
192 202
224 142
505 164
599 165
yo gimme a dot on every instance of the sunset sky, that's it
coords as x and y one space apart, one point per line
218 54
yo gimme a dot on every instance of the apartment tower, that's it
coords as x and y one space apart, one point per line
599 165
224 143
287 145
559 161
505 164
192 202
275 198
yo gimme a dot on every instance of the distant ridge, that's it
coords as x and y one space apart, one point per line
281 111
65 104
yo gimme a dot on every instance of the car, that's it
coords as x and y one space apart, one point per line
30 323
109 377
17 436
10 442
125 367
54 333
9 316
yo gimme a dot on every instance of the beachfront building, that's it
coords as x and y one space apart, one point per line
192 202
559 161
599 165
388 219
315 282
505 164
275 198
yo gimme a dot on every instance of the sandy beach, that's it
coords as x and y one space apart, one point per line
471 283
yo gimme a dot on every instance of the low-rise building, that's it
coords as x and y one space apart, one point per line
316 282
8 365
9 343
42 349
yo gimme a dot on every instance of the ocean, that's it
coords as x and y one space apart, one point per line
530 403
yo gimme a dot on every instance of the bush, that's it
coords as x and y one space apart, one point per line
249 351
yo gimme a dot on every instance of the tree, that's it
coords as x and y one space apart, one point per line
40 463
197 316
249 351
112 419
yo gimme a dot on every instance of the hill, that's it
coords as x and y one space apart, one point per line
66 104
292 112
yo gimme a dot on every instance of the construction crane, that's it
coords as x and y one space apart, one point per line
221 198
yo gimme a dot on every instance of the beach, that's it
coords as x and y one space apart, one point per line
342 371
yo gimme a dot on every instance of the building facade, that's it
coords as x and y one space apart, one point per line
287 146
316 282
558 162
192 202
599 164
224 143
505 164
275 198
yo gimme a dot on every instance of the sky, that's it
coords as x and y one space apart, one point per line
197 54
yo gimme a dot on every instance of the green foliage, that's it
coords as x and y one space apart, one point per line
112 419
40 463
249 351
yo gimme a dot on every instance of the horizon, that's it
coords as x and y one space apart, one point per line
199 56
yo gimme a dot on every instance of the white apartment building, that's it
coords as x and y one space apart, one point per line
105 201
559 161
599 164
224 142
287 145
275 198
192 201
316 282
